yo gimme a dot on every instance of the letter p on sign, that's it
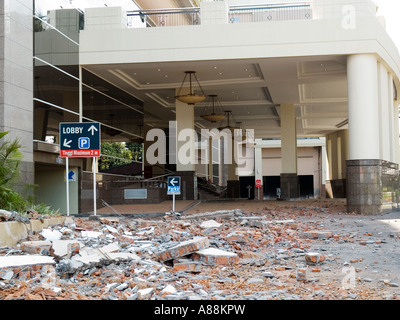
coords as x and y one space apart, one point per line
84 143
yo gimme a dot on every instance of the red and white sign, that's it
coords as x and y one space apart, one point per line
79 153
258 184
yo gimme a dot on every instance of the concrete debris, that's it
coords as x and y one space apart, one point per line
51 235
36 247
13 216
279 252
210 224
223 214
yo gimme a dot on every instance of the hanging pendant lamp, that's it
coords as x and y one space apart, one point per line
213 111
190 98
229 114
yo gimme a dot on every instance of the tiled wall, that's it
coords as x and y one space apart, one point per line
16 77
105 18
372 186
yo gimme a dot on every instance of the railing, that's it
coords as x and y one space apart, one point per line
237 14
265 13
164 17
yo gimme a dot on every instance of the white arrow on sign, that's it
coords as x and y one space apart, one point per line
93 129
67 144
173 182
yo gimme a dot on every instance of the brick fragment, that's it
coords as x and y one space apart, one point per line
317 234
301 273
213 256
184 248
187 265
314 258
36 247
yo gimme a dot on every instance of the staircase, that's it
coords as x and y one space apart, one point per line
209 191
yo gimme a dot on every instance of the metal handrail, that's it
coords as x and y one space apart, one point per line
270 12
164 17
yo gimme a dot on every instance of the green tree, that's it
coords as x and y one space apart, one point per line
114 155
136 150
10 158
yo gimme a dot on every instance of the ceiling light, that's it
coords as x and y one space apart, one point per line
190 98
229 114
213 110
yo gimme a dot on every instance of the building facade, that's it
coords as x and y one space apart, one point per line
321 70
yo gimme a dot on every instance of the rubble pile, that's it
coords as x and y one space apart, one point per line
284 252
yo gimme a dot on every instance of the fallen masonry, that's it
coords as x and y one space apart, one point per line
183 249
276 252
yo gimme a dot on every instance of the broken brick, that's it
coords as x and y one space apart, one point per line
317 234
212 256
36 247
314 258
187 266
183 249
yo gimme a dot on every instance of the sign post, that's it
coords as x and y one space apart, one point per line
259 187
174 188
67 183
80 140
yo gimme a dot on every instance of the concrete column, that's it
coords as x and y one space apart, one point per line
186 150
233 183
394 123
384 107
396 133
186 139
392 118
365 168
324 170
258 169
210 160
364 132
289 177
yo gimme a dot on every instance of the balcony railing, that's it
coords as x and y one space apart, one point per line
164 17
265 13
237 14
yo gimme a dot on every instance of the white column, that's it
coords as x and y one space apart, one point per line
186 153
289 139
385 119
362 71
396 133
394 123
258 168
391 117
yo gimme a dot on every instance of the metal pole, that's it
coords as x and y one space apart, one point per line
173 203
80 95
94 187
67 182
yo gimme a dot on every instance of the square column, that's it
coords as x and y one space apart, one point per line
233 183
289 178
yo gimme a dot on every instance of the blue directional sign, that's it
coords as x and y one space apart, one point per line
80 139
174 186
